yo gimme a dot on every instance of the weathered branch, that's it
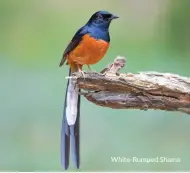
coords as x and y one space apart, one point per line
145 90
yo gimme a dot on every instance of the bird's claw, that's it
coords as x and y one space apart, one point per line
82 73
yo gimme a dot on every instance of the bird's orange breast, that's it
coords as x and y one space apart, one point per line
89 51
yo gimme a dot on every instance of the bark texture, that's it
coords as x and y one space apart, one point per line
145 90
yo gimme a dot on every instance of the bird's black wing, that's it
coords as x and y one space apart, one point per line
74 43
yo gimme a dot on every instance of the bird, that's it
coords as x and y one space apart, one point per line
88 46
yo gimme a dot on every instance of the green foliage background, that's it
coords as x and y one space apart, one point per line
153 35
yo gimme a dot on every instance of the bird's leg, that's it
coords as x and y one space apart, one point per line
89 67
80 70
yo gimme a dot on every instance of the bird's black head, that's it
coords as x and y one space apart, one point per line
101 19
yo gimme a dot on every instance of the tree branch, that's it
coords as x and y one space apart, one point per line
145 90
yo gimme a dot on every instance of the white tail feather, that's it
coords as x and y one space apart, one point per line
72 101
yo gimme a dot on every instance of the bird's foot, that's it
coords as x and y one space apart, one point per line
82 73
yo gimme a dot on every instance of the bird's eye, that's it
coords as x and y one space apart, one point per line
99 17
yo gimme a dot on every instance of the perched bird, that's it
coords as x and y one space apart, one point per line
88 46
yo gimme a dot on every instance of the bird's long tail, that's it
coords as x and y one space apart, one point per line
70 133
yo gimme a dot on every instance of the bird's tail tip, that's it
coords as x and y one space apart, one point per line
75 145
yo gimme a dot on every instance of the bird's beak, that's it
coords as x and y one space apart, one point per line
114 17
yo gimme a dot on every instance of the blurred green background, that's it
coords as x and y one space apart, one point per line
153 35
